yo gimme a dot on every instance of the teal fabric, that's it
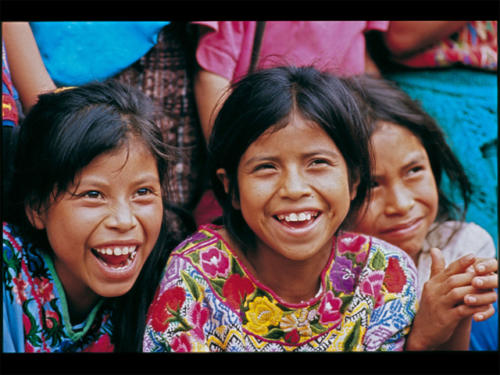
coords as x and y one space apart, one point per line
464 103
79 52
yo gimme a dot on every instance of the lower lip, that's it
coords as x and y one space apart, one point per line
403 232
118 273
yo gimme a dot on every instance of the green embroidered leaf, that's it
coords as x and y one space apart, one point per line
195 257
316 327
192 285
218 284
346 300
275 334
235 267
378 261
352 339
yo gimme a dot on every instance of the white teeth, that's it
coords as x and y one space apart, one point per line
302 216
117 251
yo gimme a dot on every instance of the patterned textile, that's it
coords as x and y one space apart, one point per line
35 312
208 301
476 45
10 116
163 74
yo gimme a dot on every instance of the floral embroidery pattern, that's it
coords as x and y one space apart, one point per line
28 282
215 302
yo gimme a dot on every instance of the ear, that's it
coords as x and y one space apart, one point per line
35 217
224 179
354 189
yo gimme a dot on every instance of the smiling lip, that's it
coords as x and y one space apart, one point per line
297 227
403 229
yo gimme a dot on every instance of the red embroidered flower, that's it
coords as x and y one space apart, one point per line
395 278
28 348
372 284
235 290
26 324
173 299
351 242
292 337
214 262
199 316
51 319
181 344
44 287
19 289
103 345
329 309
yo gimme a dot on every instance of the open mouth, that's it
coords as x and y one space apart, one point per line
297 219
116 257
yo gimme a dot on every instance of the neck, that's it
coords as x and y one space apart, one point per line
79 297
296 281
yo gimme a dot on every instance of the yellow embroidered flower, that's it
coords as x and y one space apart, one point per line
262 314
297 320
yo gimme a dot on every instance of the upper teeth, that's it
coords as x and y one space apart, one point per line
302 216
125 250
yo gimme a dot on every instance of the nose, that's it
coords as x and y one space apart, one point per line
294 185
121 217
399 200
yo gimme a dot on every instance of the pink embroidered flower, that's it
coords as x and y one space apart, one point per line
235 289
44 287
351 242
51 319
292 337
26 324
28 348
361 256
103 345
19 290
395 278
372 284
199 316
214 262
172 299
329 309
181 344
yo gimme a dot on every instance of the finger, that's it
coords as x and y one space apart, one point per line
485 266
438 262
485 314
456 296
480 299
485 282
460 265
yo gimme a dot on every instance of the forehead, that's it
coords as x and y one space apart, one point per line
391 141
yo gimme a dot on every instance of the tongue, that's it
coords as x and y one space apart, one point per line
113 260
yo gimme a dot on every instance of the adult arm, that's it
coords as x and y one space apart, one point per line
405 38
210 91
28 72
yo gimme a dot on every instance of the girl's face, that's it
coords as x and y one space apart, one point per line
294 191
103 233
404 200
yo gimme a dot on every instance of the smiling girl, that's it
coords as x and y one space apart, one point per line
289 159
85 222
408 207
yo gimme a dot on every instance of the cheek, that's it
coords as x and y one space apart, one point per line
367 221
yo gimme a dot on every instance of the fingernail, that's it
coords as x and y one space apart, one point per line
481 268
479 282
479 316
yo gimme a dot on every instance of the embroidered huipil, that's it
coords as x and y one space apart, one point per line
35 312
208 301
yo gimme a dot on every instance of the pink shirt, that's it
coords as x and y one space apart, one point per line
336 46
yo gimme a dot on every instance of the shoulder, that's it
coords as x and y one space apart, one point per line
459 238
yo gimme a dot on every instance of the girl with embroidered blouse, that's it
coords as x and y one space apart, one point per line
408 207
290 166
85 231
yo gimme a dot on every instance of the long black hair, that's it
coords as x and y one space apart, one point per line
267 99
381 100
61 135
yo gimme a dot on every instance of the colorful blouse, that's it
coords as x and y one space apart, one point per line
35 312
475 45
10 116
208 301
